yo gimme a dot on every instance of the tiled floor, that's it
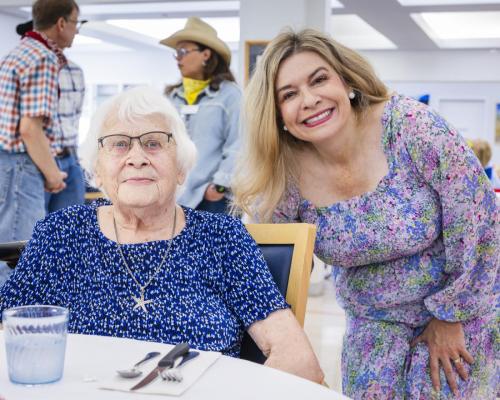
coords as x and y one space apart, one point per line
325 325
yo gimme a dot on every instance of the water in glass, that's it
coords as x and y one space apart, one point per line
35 341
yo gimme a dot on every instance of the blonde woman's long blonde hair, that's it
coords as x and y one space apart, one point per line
267 162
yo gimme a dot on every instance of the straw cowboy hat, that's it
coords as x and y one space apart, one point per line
199 31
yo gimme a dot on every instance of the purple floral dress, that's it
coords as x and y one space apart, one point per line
423 244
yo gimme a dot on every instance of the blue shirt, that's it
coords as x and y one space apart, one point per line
214 129
214 284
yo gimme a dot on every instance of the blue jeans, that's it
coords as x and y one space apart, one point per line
74 193
22 201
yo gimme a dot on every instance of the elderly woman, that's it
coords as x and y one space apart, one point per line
140 266
403 210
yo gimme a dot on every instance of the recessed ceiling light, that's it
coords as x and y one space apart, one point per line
352 31
444 2
478 29
460 25
228 29
336 4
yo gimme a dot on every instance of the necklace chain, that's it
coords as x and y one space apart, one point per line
158 268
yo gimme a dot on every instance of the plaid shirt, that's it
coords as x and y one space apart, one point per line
72 92
28 88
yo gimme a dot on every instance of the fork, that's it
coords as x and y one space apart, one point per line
174 374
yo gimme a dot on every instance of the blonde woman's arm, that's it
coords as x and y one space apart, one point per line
285 344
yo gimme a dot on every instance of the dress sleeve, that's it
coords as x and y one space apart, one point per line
469 216
36 278
287 210
38 89
250 290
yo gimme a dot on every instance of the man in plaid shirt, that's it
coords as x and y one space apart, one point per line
29 126
71 96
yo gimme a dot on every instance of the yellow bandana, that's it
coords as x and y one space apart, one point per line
192 88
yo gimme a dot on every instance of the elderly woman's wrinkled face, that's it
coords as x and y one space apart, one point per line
138 173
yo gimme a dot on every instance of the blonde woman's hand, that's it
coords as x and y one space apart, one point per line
446 344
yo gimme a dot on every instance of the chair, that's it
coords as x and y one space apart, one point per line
91 196
288 251
11 251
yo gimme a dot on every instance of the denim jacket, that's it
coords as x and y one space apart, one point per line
214 129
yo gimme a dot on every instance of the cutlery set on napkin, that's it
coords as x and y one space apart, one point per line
167 378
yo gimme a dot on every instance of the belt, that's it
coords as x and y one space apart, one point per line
66 152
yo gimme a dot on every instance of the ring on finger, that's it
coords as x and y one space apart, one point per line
457 360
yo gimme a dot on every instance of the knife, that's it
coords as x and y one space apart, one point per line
166 362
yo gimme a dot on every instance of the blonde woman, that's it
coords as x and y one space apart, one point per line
402 208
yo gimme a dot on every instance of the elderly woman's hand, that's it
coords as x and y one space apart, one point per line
446 344
286 346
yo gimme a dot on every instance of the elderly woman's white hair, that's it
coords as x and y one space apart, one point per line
132 105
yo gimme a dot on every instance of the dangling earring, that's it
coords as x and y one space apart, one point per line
285 128
352 95
204 63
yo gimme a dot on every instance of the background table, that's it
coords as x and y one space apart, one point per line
96 357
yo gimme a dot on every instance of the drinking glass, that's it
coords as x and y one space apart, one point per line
35 343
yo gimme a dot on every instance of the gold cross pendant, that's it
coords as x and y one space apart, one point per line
141 303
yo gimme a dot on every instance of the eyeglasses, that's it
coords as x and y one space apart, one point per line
78 22
151 142
179 53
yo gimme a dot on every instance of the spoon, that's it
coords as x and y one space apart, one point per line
134 371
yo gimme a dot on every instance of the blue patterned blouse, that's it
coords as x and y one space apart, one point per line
214 284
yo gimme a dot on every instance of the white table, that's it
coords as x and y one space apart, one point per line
90 357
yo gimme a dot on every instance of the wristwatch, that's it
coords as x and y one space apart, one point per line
220 189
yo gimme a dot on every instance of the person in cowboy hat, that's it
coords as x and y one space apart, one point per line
209 101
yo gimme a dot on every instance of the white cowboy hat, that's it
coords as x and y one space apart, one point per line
199 31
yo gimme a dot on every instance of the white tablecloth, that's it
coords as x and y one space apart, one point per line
90 359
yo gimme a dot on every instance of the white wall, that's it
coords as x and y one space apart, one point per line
8 35
437 66
449 77
154 67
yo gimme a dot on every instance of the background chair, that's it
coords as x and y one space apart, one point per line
11 251
288 251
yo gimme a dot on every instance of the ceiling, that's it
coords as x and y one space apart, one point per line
362 24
